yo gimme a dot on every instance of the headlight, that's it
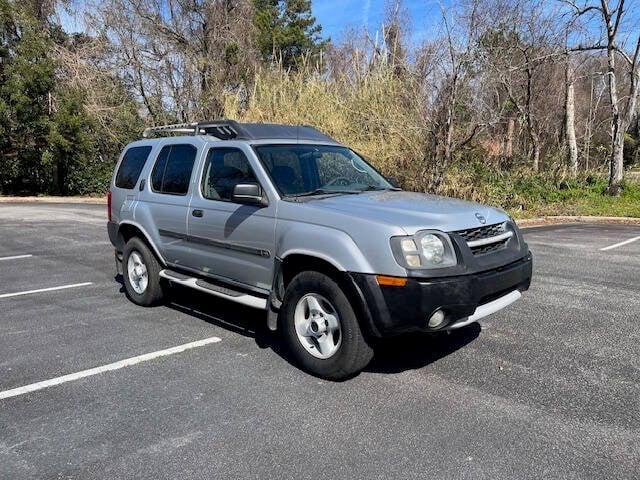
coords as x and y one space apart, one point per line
426 249
432 249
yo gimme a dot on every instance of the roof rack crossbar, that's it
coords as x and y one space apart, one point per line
171 128
222 129
231 130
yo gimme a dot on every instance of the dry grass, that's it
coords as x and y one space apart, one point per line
379 116
374 115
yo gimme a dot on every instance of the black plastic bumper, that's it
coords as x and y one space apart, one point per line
393 310
112 230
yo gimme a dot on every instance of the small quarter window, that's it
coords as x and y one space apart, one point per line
172 172
131 166
223 170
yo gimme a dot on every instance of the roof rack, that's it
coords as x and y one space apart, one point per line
222 129
232 130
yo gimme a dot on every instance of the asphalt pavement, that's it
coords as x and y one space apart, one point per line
548 388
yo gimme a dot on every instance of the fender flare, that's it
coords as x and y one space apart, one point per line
146 236
313 253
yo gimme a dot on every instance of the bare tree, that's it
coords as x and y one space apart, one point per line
455 66
570 118
623 107
180 56
520 44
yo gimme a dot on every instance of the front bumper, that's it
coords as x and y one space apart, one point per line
465 298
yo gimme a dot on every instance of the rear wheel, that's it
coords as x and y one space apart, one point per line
321 329
141 274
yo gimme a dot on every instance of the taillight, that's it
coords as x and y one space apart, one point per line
109 205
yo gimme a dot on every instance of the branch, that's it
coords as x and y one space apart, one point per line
580 11
633 62
586 48
473 133
619 11
636 55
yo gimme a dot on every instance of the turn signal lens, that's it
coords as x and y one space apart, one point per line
408 245
391 281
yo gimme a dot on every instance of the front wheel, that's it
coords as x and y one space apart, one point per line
321 329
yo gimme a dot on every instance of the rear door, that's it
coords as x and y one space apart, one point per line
164 201
233 241
124 187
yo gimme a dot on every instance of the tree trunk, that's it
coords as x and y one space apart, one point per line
616 167
508 143
535 145
533 135
61 177
570 124
448 136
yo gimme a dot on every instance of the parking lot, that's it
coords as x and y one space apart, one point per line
549 388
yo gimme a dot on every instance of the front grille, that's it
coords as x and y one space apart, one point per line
480 233
493 247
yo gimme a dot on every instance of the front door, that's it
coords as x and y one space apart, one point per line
231 240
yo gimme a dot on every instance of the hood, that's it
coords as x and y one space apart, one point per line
413 211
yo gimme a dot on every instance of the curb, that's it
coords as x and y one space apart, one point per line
69 200
575 219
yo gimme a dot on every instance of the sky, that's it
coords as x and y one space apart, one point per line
336 16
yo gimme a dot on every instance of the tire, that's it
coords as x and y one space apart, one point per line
351 352
153 292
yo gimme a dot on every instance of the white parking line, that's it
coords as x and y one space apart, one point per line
14 392
626 242
15 257
50 289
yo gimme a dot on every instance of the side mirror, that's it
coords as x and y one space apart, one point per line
249 194
393 181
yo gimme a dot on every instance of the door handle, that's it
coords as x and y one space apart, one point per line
197 213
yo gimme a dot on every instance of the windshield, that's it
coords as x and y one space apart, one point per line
299 170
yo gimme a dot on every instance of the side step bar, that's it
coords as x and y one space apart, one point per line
212 289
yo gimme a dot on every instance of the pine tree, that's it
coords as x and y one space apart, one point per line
26 80
287 31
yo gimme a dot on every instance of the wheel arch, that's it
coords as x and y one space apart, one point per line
296 262
128 230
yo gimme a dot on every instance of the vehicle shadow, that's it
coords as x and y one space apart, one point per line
231 316
392 355
417 350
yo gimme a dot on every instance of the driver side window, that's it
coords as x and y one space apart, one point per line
224 168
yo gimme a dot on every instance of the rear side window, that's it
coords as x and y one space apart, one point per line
172 171
131 166
223 170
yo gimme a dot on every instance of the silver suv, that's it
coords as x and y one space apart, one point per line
285 219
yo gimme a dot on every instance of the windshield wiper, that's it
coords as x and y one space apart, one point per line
323 191
371 188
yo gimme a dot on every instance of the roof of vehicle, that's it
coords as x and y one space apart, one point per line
232 130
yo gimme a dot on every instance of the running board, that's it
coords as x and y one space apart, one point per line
212 289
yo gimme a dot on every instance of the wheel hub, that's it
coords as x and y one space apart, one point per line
317 326
137 272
